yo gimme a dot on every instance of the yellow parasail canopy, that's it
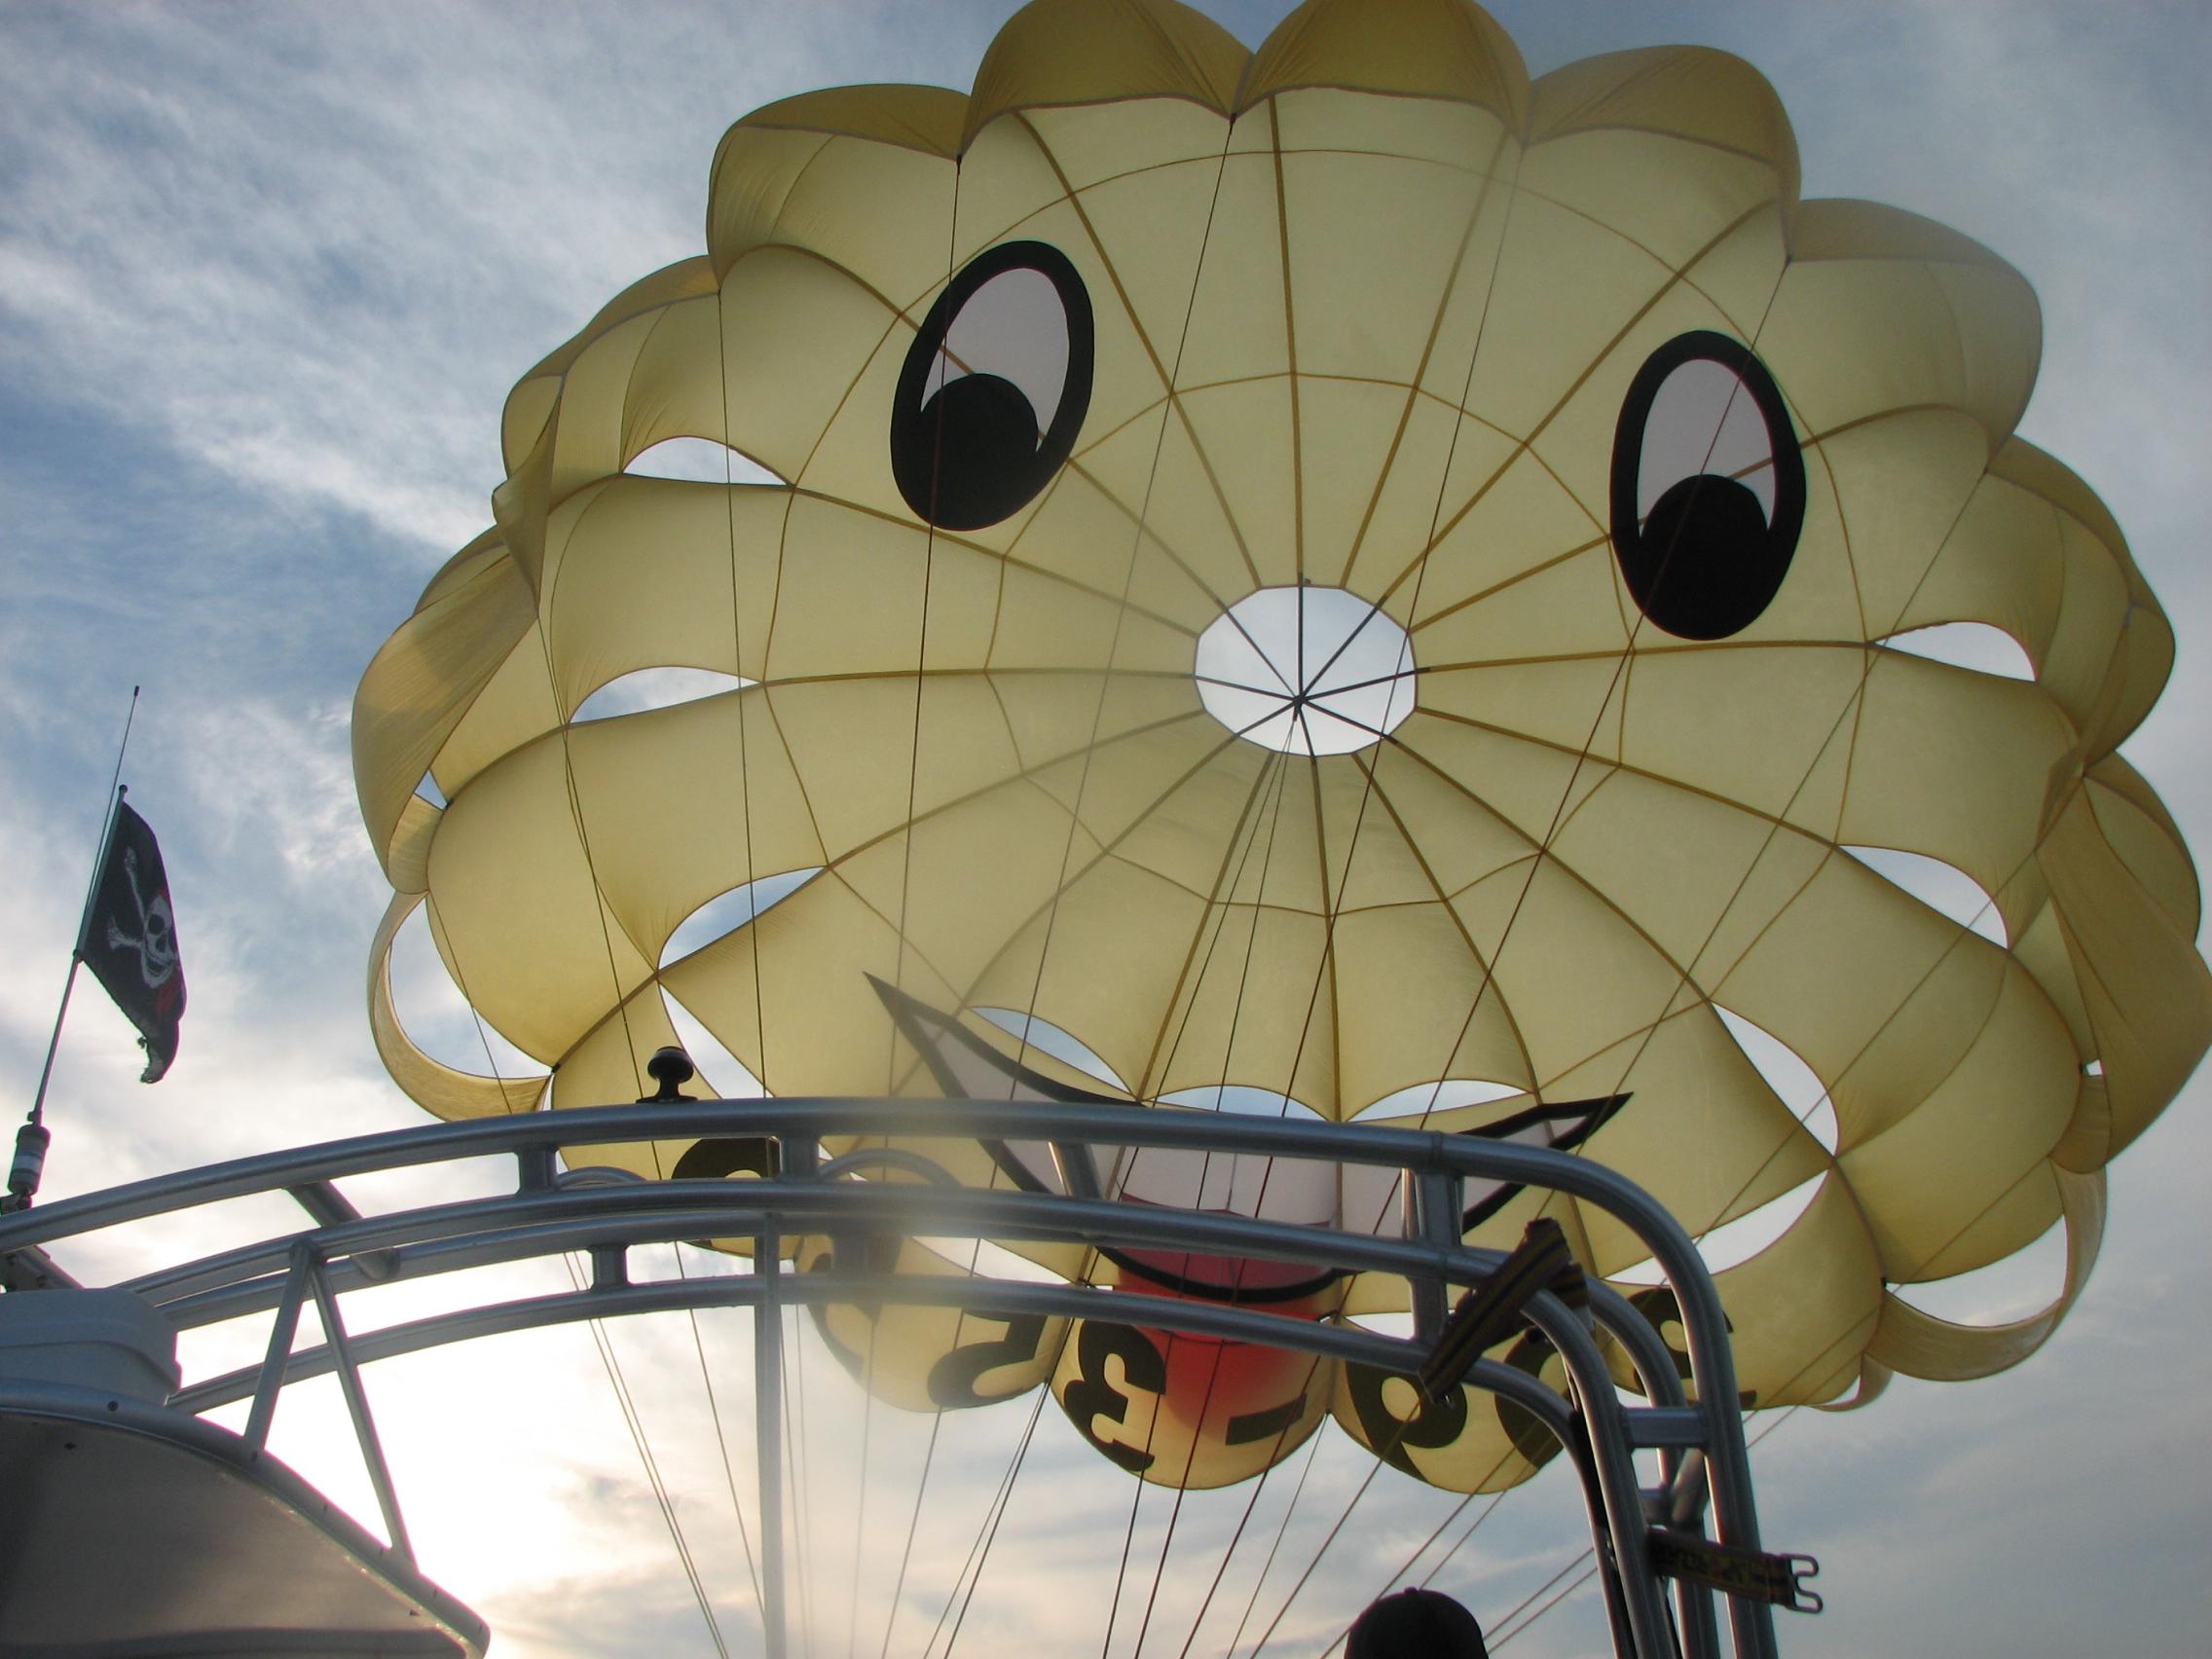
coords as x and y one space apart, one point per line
1322 572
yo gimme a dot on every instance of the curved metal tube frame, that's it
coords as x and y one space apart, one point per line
599 1211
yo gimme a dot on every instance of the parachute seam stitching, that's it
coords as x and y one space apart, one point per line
1675 278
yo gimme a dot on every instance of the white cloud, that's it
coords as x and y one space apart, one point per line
313 248
287 779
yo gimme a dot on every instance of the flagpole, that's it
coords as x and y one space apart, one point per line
32 1138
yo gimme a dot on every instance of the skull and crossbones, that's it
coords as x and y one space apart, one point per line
155 939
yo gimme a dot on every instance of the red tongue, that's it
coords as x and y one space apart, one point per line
1242 1391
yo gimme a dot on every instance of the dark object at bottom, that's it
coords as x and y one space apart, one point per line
1486 1314
1415 1624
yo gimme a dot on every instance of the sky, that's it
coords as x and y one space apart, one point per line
266 274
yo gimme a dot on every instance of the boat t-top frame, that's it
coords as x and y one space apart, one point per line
1641 1536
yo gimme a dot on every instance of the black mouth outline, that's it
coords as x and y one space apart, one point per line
925 1027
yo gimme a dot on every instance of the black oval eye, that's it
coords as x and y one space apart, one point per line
994 387
1708 487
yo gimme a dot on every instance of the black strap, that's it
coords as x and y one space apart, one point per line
1488 1313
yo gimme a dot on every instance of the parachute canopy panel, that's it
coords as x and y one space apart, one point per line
1309 576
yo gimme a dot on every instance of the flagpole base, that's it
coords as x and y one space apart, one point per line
31 1142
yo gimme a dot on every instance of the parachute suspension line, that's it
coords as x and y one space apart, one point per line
1216 915
624 1396
1222 1566
1279 767
1282 1530
929 1463
1335 909
1962 931
1129 1531
1182 1487
1588 1573
891 1051
1473 1527
1958 938
795 1441
1827 1086
1142 516
630 1410
1075 812
1251 1504
988 1531
1271 773
737 663
1489 973
981 1541
1785 1413
737 666
1368 791
1382 1454
1550 834
1544 848
721 1443
1244 1520
613 1367
1374 608
860 1526
1507 1630
1496 1624
905 1553
1435 1532
1451 449
1445 1560
1501 1625
452 957
1421 577
750 875
1775 822
921 660
1583 1554
1273 781
1333 912
635 1421
1246 834
1322 967
1175 1513
1374 1468
591 866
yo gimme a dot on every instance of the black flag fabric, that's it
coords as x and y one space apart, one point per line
130 939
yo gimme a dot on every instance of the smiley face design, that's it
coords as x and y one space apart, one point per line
1337 576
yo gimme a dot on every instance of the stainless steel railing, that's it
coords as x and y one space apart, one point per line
1700 1442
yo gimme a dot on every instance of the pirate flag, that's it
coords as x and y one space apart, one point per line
129 940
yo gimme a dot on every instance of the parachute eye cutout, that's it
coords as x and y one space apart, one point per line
994 389
1708 487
